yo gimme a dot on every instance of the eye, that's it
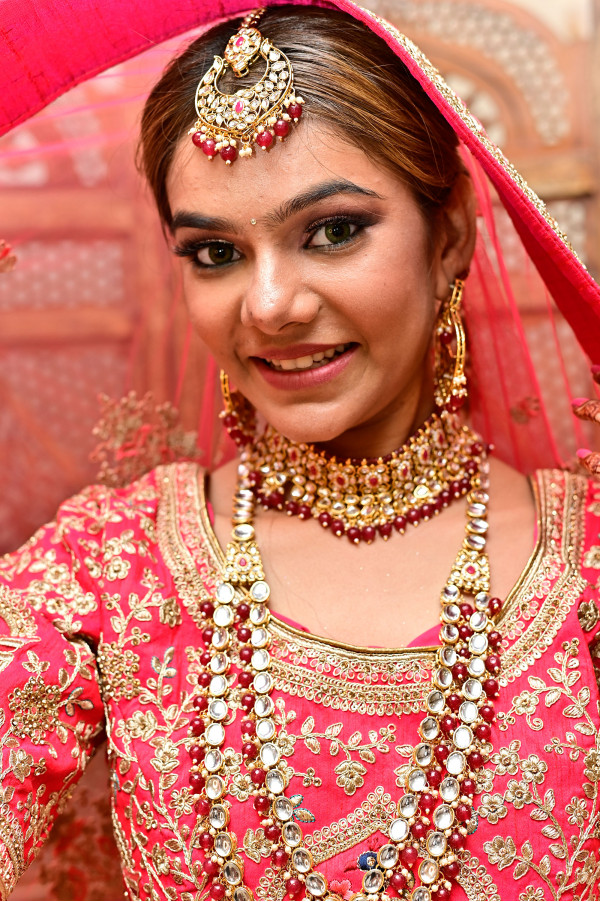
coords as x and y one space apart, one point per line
216 253
332 233
208 254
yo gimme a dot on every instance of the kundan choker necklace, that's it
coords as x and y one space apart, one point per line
360 499
420 860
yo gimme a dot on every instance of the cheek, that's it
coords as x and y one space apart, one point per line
209 314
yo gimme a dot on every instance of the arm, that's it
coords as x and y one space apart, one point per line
50 708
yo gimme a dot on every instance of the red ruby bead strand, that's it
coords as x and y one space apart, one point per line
264 139
262 804
246 654
245 679
419 830
294 887
398 881
210 868
206 841
247 701
272 832
280 858
202 807
409 856
229 154
463 813
452 870
281 128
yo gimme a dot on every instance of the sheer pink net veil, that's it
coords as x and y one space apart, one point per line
532 309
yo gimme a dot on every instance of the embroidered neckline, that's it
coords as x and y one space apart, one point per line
385 681
194 556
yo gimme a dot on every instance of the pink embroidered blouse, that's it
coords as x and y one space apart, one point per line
101 634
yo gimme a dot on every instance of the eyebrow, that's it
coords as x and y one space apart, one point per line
314 195
185 219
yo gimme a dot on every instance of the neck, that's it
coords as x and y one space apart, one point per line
379 437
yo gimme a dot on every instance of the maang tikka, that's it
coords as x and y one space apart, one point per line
255 115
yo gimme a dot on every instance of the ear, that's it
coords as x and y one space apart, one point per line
456 232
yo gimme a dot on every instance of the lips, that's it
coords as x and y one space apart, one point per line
303 367
305 361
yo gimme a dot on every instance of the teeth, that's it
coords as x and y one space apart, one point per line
304 363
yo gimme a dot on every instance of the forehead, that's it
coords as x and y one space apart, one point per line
310 155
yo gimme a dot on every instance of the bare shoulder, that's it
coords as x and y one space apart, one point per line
221 486
512 515
509 489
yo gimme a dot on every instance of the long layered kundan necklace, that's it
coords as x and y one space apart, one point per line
420 860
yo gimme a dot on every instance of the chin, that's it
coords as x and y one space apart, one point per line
308 430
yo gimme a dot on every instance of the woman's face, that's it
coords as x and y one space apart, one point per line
310 274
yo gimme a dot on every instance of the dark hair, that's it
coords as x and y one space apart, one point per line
349 78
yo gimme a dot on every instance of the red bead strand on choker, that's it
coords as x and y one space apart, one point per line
359 499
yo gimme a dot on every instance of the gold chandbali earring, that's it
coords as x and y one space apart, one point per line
359 499
238 414
256 115
450 390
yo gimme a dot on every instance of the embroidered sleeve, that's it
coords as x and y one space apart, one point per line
51 714
589 604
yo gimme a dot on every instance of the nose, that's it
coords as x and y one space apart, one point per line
277 297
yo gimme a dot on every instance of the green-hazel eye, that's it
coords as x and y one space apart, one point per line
332 233
336 232
218 254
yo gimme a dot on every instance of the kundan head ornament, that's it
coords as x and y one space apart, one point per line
254 115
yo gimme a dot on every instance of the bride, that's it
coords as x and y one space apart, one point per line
356 661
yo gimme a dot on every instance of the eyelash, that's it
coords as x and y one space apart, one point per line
189 249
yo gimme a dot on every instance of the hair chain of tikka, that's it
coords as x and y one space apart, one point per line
251 116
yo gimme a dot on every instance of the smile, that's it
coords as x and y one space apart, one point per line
308 361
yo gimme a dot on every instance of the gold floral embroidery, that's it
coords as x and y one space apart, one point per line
170 612
350 773
581 869
16 614
256 845
374 683
592 557
35 708
117 668
506 760
588 614
12 848
561 528
492 807
475 880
